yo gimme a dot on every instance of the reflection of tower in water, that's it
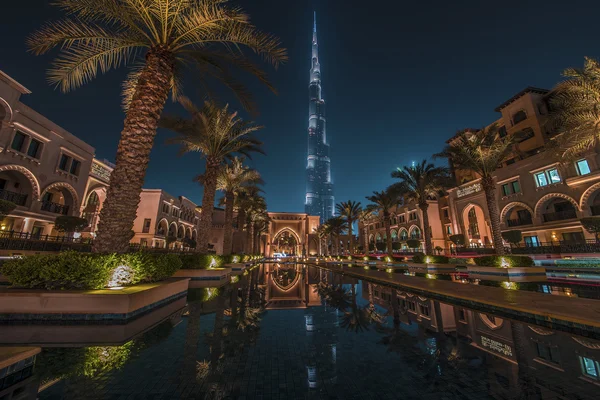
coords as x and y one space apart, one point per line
321 331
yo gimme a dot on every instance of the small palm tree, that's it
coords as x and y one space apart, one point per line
420 183
337 226
256 211
575 114
322 234
482 152
351 211
217 135
160 39
385 201
233 179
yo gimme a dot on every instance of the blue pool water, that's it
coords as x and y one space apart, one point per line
299 332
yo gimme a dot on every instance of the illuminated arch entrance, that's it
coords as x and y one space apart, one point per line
292 232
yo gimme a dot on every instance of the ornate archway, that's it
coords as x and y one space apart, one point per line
64 185
35 186
541 202
286 241
512 205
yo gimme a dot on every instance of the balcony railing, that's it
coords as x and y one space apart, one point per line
519 221
17 198
55 208
560 215
595 210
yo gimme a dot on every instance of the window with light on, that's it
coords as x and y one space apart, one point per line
547 177
583 167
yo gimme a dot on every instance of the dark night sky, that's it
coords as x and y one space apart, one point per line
399 78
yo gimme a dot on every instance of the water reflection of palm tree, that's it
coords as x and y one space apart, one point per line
356 318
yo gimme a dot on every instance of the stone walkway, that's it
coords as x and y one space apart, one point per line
571 314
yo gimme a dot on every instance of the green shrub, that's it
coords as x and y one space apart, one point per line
497 261
6 207
200 261
67 270
70 223
421 258
413 243
458 239
578 263
71 270
512 237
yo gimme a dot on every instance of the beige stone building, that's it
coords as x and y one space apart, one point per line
406 222
43 168
300 228
537 193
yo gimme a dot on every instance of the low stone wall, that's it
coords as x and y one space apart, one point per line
77 334
198 278
91 305
514 274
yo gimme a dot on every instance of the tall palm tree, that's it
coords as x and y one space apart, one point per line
482 152
574 109
256 211
337 226
242 202
160 39
385 201
217 135
234 178
365 216
420 183
322 233
351 211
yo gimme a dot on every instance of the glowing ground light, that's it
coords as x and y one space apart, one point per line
236 259
390 270
366 267
510 285
122 275
504 263
427 260
431 276
213 263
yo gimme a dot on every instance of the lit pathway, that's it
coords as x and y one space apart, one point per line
576 315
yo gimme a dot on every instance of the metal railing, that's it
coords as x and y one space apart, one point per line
556 247
519 221
55 208
18 198
10 240
559 215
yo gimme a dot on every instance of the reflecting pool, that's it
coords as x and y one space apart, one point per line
291 331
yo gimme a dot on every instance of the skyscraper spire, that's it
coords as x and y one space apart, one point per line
319 188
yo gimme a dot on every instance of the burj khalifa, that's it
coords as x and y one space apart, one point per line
319 188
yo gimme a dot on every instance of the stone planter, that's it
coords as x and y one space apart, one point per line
514 274
121 304
199 278
431 268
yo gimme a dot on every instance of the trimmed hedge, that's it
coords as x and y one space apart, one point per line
72 270
496 261
578 263
420 258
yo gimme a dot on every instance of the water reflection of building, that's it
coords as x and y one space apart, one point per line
17 381
522 360
289 286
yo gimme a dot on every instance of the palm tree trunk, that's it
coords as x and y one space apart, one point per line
133 154
208 204
251 238
337 244
388 235
351 247
490 197
366 240
227 240
241 220
426 228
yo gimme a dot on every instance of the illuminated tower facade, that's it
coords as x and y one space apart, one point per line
319 188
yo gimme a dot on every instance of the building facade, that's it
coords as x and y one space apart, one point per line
43 168
292 233
319 187
406 222
537 193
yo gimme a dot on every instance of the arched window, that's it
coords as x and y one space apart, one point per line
93 199
473 225
415 234
519 116
403 234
